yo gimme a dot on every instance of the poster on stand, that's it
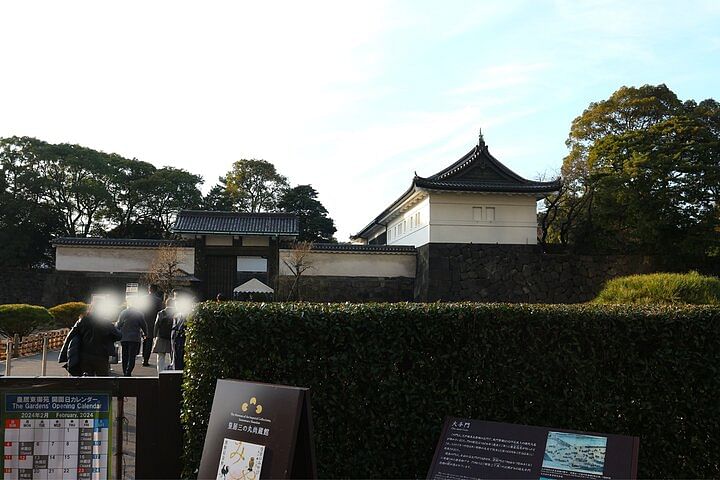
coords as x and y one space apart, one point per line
258 430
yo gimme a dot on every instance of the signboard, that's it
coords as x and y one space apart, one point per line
258 430
131 289
55 435
470 449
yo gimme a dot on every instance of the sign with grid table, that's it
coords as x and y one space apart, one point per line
55 435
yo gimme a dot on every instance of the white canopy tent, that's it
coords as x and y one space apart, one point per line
253 286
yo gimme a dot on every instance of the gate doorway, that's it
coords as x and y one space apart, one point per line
221 272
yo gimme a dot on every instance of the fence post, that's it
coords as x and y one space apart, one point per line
8 357
169 395
43 366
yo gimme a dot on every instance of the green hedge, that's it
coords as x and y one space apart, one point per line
383 376
22 319
66 314
665 288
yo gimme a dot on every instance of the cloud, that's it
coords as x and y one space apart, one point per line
499 77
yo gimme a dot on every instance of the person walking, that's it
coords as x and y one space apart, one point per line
154 305
133 327
90 342
162 346
178 341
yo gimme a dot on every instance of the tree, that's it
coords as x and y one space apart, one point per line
315 225
128 181
165 271
167 191
26 223
254 185
218 199
49 190
641 176
298 262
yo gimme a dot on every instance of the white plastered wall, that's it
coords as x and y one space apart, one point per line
454 218
405 229
115 259
354 264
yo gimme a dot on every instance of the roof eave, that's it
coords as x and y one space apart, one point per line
215 232
377 220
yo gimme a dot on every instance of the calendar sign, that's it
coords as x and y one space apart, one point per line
55 435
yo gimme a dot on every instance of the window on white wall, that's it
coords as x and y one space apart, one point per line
490 214
412 222
477 214
417 220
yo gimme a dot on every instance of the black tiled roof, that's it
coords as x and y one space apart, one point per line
479 171
352 247
117 242
530 187
234 223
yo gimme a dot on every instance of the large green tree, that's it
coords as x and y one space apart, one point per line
315 225
48 190
169 190
26 223
641 176
254 185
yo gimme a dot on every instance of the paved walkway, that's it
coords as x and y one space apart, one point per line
31 366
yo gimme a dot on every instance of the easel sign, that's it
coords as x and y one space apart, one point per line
258 430
470 449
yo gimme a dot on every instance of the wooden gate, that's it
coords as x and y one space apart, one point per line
221 276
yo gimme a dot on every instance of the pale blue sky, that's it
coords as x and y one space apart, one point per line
352 97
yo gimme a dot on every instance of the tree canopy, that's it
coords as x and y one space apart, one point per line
256 186
315 225
49 190
642 176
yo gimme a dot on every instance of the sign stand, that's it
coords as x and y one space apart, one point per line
258 430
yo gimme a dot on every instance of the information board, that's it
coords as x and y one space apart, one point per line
258 430
470 449
55 435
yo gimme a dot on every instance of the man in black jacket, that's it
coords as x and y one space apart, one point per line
131 324
90 343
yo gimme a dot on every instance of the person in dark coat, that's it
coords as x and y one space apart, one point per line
178 341
162 346
154 305
89 344
133 327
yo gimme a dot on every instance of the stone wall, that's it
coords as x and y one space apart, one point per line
518 273
49 288
349 289
446 272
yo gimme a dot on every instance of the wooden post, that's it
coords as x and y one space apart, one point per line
43 366
8 357
119 438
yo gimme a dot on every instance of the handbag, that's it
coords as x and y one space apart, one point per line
114 357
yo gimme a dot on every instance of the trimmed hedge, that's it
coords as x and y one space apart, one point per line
665 288
66 314
383 376
22 319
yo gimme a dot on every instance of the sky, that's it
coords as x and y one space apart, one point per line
350 97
